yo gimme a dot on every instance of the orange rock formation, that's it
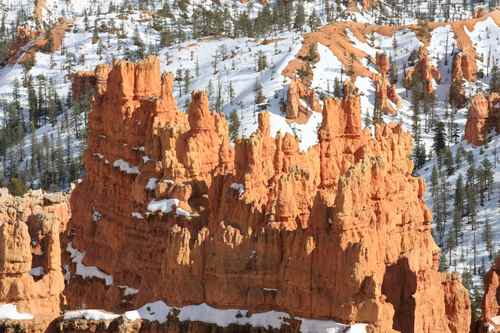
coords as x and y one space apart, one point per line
29 237
491 301
387 97
424 73
340 231
484 115
463 68
301 101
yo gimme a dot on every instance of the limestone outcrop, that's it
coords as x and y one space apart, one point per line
484 115
169 207
31 275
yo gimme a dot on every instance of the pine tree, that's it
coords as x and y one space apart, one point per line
300 16
179 79
234 126
259 95
443 265
486 178
436 204
219 103
314 21
450 245
495 79
448 161
187 81
312 53
439 138
261 62
231 92
487 237
17 187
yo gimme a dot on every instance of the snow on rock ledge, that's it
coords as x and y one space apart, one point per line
126 167
87 271
9 312
90 315
167 206
159 311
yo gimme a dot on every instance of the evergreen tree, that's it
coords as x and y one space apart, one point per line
231 92
17 187
219 103
486 179
448 161
439 138
259 95
314 21
300 16
450 245
234 126
261 62
436 204
487 237
495 79
187 81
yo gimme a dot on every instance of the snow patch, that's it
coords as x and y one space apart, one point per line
167 206
96 216
87 271
90 315
9 312
159 311
137 215
240 188
151 185
126 167
37 271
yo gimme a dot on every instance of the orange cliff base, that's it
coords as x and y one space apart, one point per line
31 275
340 231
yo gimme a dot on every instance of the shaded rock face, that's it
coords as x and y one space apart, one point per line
29 238
301 101
172 326
326 233
387 99
491 300
424 73
81 84
29 41
463 68
24 35
484 115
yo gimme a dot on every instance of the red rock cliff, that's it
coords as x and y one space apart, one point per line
491 301
484 115
340 231
29 238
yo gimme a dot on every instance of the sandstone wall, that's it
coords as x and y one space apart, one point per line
340 231
484 115
29 237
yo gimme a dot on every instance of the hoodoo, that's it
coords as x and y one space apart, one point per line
338 232
31 277
483 116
